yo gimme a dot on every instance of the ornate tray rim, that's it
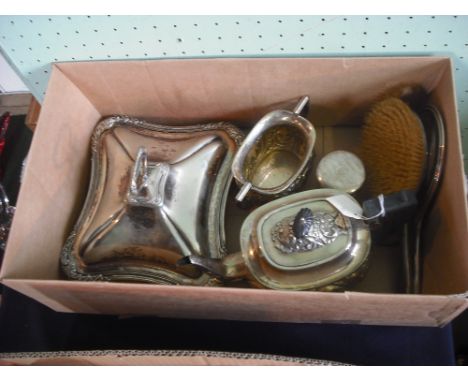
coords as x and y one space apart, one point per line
74 267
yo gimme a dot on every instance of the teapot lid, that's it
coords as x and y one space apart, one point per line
303 241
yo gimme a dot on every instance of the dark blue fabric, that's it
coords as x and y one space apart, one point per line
26 325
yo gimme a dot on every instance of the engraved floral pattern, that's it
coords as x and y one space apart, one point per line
322 228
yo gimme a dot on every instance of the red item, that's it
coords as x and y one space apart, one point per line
4 123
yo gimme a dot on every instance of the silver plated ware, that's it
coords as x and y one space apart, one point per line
6 217
157 193
434 131
341 170
303 241
275 155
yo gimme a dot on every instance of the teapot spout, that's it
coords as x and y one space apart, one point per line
231 267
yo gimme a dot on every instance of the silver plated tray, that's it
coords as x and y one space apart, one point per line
156 194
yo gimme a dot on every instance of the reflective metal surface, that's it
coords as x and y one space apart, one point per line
434 136
341 170
307 231
275 156
298 242
6 217
157 194
285 247
434 128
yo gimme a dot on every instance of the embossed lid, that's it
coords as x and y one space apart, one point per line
303 241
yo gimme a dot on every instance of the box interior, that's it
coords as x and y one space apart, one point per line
240 91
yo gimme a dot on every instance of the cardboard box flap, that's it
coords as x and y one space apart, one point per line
57 166
182 91
241 304
446 257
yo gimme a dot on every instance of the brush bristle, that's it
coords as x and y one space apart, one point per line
393 147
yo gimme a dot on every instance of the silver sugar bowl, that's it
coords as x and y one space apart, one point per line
275 156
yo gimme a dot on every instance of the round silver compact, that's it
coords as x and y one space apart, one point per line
341 170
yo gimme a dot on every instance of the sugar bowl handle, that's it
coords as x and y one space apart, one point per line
299 108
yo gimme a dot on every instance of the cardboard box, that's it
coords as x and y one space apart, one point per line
156 358
241 91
